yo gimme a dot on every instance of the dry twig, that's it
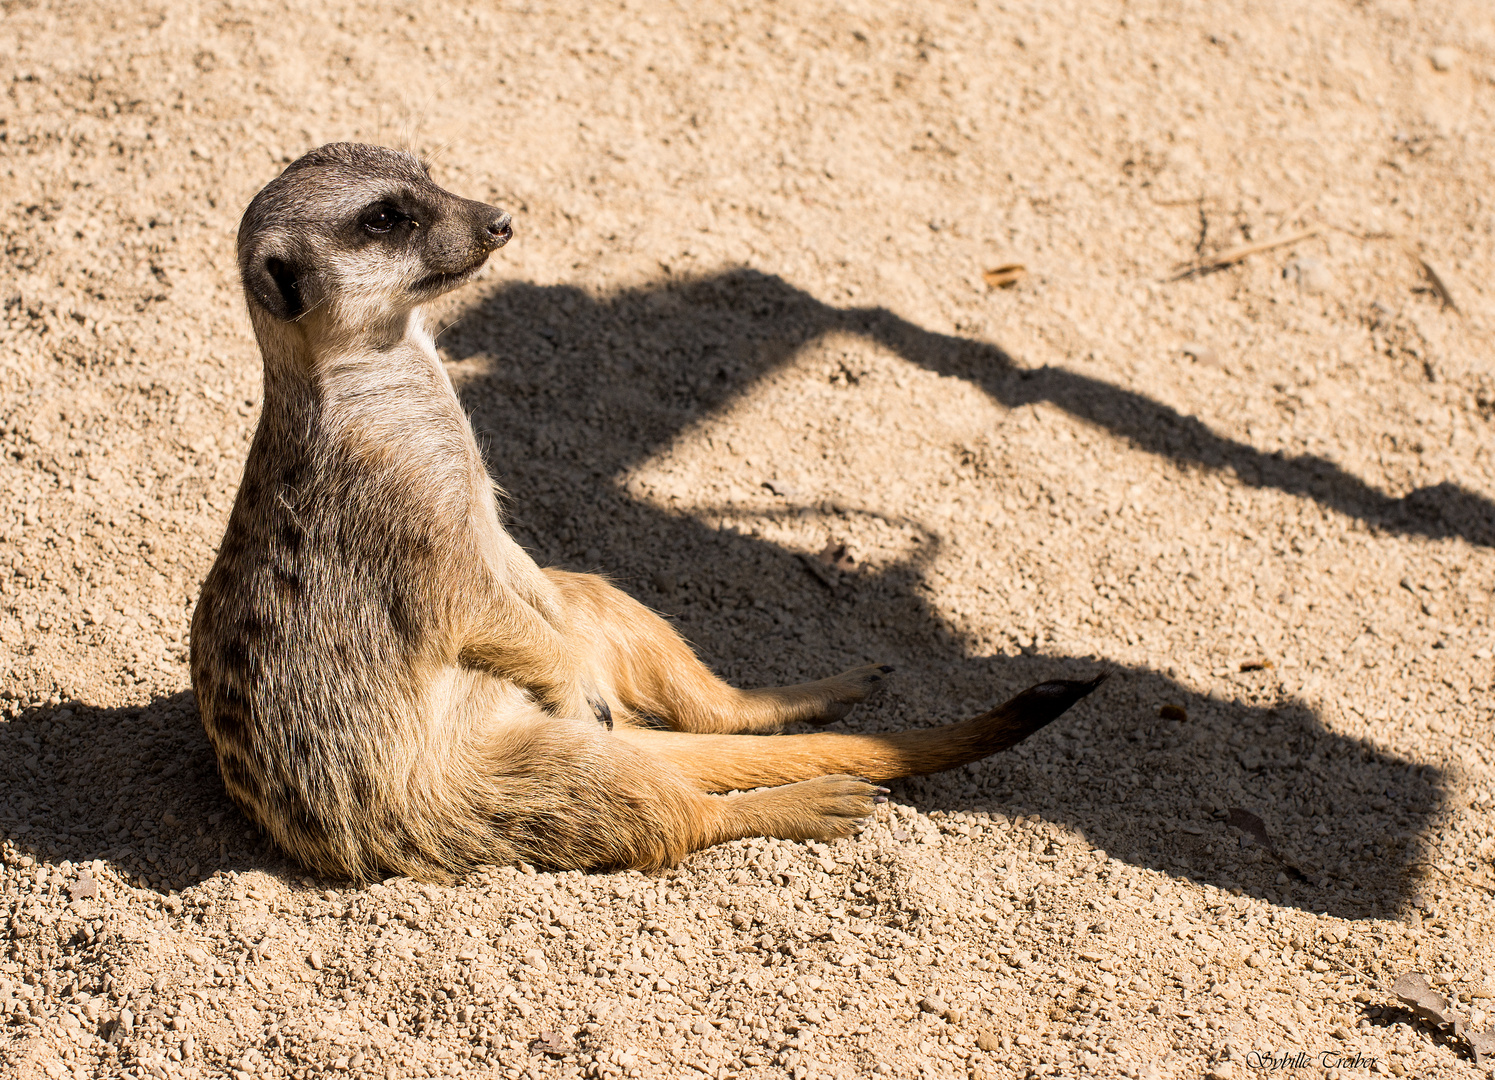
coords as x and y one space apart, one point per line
1437 283
1237 254
1006 276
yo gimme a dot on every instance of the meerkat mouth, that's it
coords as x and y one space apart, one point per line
440 283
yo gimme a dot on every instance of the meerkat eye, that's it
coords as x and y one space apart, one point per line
380 219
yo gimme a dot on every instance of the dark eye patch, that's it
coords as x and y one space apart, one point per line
381 218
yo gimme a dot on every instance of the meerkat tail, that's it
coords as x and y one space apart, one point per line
737 762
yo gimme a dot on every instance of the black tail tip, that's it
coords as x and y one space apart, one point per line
1067 691
1046 702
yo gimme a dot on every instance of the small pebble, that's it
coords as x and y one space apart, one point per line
1202 354
1311 275
1443 58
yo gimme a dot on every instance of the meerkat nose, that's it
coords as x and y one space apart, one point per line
500 230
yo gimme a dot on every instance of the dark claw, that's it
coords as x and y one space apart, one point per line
603 711
884 791
878 800
886 669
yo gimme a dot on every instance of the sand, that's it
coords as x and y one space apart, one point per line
743 356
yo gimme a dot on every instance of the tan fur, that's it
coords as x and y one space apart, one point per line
389 681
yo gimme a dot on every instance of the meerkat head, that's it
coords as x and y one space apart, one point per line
360 235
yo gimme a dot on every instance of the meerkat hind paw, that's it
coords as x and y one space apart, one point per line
851 688
829 807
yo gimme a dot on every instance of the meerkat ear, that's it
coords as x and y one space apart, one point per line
277 284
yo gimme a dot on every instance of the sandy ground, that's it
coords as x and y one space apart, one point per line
741 355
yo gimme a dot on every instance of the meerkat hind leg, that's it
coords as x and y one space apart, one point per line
573 798
638 658
824 701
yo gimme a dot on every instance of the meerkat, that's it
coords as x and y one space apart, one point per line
390 682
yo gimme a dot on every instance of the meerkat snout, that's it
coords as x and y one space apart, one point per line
501 229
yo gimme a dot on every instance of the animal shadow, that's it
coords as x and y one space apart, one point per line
134 789
568 392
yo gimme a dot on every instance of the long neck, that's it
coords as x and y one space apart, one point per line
315 347
321 366
382 403
292 402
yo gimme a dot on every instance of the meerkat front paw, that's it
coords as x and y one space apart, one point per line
600 708
845 691
578 700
